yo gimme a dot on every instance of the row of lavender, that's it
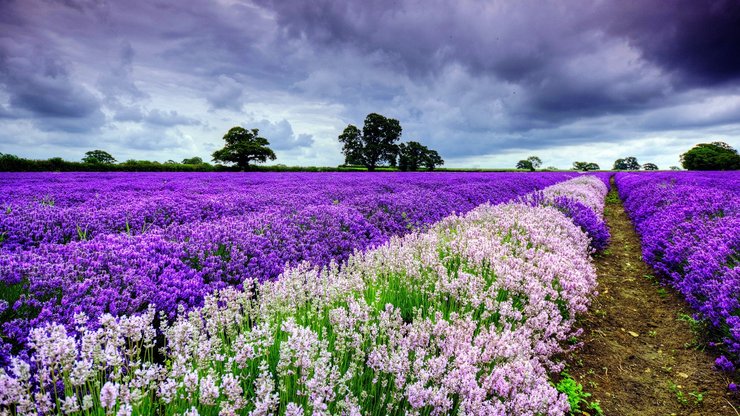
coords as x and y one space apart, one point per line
201 233
59 208
689 223
465 318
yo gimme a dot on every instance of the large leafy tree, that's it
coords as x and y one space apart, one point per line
585 166
525 164
711 156
432 160
414 155
373 146
98 157
244 147
535 161
531 163
628 163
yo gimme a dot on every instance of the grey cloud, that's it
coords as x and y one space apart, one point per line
118 84
40 85
227 93
131 113
53 103
168 118
281 136
155 117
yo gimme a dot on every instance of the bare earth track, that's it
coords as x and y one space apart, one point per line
638 357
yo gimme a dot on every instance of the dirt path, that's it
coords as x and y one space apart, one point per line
638 357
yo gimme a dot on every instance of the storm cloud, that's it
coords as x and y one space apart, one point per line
483 82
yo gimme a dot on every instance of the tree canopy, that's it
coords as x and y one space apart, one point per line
525 164
243 147
192 161
628 163
531 163
373 146
98 157
649 166
535 161
414 155
585 166
711 156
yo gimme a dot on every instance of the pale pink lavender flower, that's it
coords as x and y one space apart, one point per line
125 410
109 395
209 392
70 405
87 402
293 409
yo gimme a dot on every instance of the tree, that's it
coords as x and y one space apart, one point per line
628 163
535 161
375 145
585 166
649 166
531 163
413 155
525 164
432 160
675 168
244 146
98 157
711 156
192 161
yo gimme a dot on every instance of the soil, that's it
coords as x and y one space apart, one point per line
638 356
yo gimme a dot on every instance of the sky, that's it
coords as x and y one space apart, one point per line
485 83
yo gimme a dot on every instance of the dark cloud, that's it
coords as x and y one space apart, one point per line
697 40
38 84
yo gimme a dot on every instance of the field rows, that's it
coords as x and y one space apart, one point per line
430 322
333 294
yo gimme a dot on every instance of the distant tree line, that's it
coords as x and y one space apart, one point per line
12 163
375 147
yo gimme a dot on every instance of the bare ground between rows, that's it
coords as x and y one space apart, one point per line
638 357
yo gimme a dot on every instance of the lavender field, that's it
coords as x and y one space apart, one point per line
293 293
689 223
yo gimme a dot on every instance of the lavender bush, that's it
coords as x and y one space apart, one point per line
581 200
689 223
465 317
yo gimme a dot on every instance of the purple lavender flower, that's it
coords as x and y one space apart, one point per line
724 364
689 223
